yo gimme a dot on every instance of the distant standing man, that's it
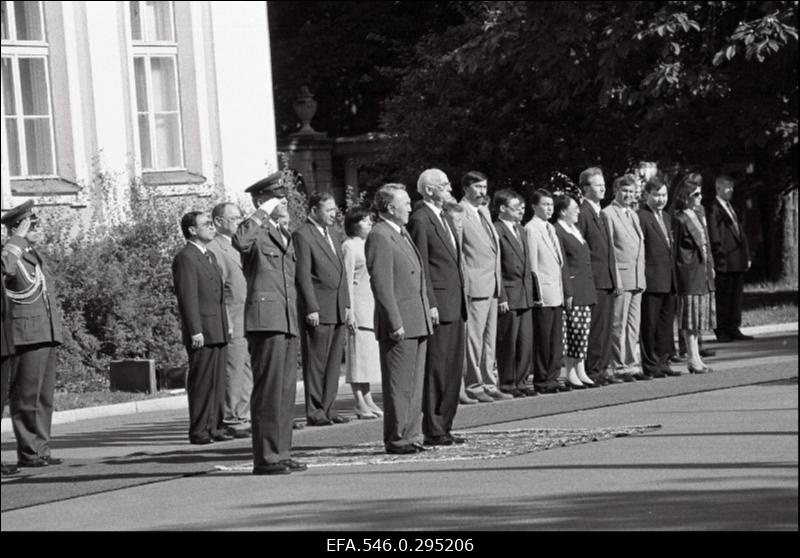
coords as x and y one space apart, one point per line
270 325
627 242
324 305
731 259
515 323
483 287
238 376
593 228
37 333
402 319
658 300
201 306
435 238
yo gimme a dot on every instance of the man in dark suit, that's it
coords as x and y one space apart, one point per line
515 322
435 238
593 228
658 300
37 332
731 260
270 325
402 319
6 352
201 306
325 305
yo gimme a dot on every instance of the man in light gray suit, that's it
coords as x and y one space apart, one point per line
547 265
238 375
483 282
402 319
627 241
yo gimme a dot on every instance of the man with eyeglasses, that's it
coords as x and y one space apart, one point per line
435 238
37 332
238 375
204 320
515 322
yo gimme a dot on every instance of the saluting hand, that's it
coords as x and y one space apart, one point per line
23 228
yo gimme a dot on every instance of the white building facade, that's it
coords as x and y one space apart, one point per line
173 95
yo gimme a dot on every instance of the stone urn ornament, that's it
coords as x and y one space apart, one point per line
305 107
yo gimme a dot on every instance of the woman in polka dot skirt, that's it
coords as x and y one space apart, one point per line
579 292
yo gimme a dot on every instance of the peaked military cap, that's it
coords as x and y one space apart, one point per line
17 214
272 184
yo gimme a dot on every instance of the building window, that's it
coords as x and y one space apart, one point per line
155 75
27 108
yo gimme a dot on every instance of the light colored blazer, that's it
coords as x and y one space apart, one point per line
547 262
355 266
627 240
229 261
481 255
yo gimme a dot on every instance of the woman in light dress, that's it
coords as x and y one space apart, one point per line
363 359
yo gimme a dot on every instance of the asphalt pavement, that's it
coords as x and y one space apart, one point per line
713 452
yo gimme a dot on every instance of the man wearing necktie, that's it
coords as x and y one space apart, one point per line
627 243
433 235
270 325
402 319
204 321
36 331
658 300
731 260
483 286
324 307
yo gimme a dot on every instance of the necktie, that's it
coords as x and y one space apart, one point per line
208 257
448 231
486 225
551 233
285 236
661 224
733 217
330 241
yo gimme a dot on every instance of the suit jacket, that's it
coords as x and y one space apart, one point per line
358 281
547 265
481 254
580 283
729 247
321 280
36 319
7 335
595 232
201 300
694 267
398 284
229 261
441 262
627 242
515 266
268 263
659 254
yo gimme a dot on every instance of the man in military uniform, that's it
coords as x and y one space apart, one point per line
270 325
37 333
7 338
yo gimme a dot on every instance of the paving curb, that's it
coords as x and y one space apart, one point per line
181 402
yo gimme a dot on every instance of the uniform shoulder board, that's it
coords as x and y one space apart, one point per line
12 249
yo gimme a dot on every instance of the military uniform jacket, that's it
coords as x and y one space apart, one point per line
268 262
33 306
201 302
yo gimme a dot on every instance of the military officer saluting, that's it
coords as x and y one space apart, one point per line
37 332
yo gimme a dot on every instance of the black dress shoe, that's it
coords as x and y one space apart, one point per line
641 376
613 380
8 470
294 466
419 447
576 386
677 359
438 441
626 377
656 374
319 422
724 338
705 353
515 393
201 441
339 419
271 469
401 450
672 373
222 437
40 462
739 336
565 387
548 390
238 432
457 439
